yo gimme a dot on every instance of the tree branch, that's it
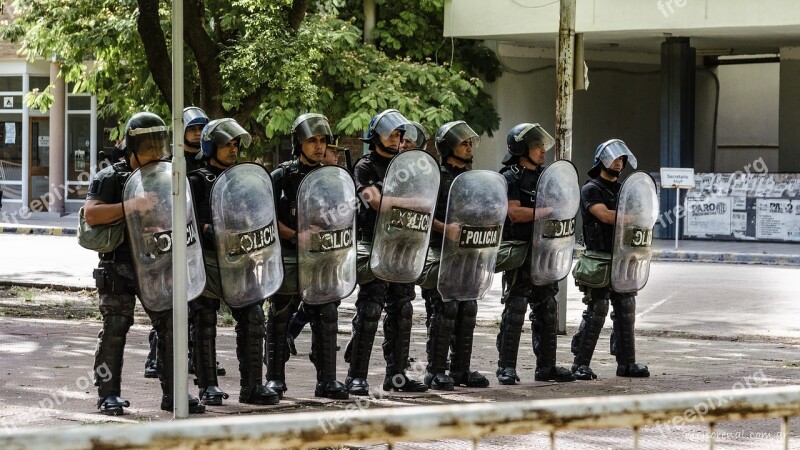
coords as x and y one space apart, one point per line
206 53
297 13
148 25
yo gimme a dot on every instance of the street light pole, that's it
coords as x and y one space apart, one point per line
565 68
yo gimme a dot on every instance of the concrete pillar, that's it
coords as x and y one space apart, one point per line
789 112
677 115
57 122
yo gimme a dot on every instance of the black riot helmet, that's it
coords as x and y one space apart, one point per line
306 126
219 132
606 153
416 136
523 137
382 125
146 132
451 134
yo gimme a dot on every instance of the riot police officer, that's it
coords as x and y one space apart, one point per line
527 146
455 142
220 142
384 135
415 137
194 119
146 140
598 208
311 135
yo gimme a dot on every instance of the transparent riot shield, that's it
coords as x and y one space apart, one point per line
326 235
637 212
557 199
246 235
148 215
476 209
403 227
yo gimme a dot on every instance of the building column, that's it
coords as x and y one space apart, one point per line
57 123
677 117
789 112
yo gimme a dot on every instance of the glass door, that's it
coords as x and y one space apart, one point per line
40 165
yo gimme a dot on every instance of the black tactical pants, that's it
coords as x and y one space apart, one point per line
623 317
372 298
520 292
116 288
451 324
281 308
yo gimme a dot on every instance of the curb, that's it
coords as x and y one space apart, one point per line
728 258
51 286
42 231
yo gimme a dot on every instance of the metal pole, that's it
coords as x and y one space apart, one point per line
180 377
369 21
565 67
677 219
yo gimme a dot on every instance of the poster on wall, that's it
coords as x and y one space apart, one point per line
778 218
11 133
708 216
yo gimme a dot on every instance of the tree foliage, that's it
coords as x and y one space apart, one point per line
260 61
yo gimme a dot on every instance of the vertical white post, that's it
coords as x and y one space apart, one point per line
677 218
179 278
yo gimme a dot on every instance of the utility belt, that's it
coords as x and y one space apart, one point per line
109 281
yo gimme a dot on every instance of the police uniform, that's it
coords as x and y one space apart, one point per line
520 291
117 290
374 296
598 236
324 318
453 322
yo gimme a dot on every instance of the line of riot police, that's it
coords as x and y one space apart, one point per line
287 237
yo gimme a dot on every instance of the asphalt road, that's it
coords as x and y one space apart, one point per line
725 300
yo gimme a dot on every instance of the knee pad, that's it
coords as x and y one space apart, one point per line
599 307
205 317
328 313
448 310
469 308
370 311
624 304
406 311
514 311
116 326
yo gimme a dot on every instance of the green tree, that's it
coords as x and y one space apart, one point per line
260 61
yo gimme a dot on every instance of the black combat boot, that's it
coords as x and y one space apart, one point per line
462 348
544 319
623 339
249 352
397 339
108 364
508 339
163 324
277 349
324 327
204 321
585 340
440 329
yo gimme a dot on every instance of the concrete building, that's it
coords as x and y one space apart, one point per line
708 84
46 158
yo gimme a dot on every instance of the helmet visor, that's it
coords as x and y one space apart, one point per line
614 149
416 135
226 130
389 121
193 116
459 133
151 141
534 135
313 125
